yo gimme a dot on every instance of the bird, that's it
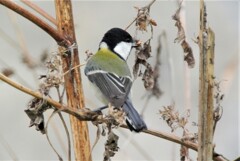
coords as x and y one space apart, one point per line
108 70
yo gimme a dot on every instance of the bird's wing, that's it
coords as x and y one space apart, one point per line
115 88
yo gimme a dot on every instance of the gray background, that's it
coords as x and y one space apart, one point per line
92 20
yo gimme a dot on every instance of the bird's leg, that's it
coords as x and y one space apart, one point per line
100 108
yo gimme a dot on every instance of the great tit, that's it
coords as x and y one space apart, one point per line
108 70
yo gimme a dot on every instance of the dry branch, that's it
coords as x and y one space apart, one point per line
206 88
73 82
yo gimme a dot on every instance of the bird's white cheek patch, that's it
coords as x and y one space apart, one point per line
123 49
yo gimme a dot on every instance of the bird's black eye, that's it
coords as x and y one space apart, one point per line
128 39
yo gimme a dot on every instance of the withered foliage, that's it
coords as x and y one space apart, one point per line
54 76
184 154
184 151
172 117
181 38
143 19
156 91
111 146
218 109
36 108
113 119
143 51
175 121
142 54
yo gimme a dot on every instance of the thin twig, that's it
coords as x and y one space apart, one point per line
77 66
64 124
131 23
68 135
46 130
141 149
40 11
7 38
26 57
8 148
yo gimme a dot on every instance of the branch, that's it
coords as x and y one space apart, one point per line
87 115
169 137
40 11
60 39
81 114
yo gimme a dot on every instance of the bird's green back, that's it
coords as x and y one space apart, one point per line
108 61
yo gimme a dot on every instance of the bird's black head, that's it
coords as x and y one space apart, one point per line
118 41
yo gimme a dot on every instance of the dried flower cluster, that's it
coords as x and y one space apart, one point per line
172 117
88 54
181 38
174 121
54 76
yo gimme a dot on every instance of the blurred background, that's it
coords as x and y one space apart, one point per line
178 83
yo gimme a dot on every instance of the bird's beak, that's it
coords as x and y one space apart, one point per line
136 43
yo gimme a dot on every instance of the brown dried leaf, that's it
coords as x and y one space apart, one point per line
144 51
181 33
156 91
36 108
188 56
148 78
143 19
111 146
178 24
7 72
153 22
136 68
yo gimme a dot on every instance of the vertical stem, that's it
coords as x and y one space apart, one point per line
73 84
206 91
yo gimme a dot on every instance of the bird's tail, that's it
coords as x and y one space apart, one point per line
134 120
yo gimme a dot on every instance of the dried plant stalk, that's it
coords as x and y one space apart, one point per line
206 90
73 83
